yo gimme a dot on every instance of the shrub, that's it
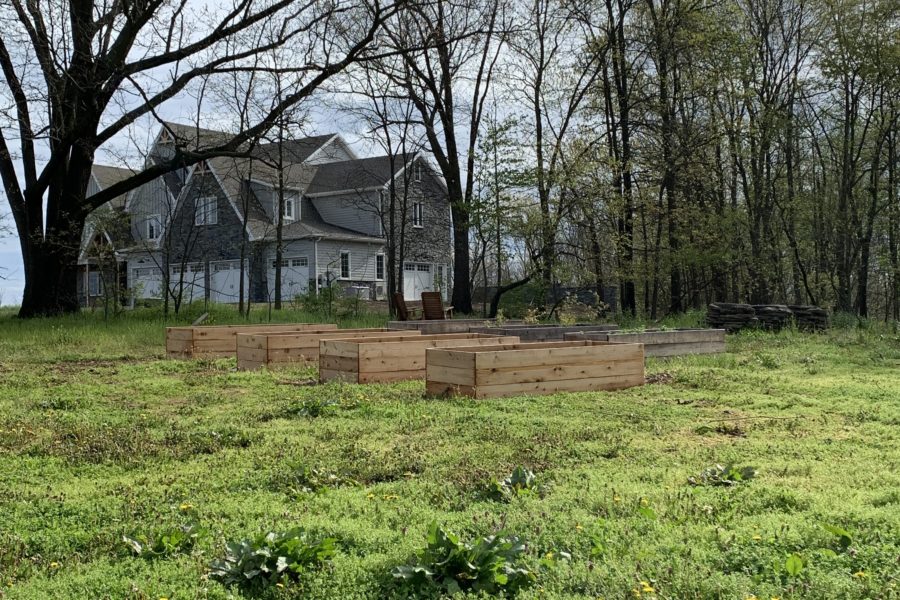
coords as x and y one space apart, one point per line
164 543
276 557
491 565
521 482
723 476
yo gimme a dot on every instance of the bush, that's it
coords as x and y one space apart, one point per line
521 482
492 565
276 557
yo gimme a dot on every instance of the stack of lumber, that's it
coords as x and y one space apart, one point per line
533 368
734 317
731 317
773 316
810 318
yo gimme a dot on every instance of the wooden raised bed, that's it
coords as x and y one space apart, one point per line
442 325
543 333
213 341
390 359
658 343
533 368
258 350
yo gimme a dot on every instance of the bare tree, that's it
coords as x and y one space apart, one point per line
76 87
448 83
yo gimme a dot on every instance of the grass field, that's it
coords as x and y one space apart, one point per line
101 437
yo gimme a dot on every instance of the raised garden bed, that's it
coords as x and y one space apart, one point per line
442 325
533 368
214 341
258 350
659 343
390 359
542 333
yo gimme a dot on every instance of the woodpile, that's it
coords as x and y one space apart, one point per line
731 317
810 318
734 317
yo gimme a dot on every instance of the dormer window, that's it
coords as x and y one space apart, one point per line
165 138
291 209
154 229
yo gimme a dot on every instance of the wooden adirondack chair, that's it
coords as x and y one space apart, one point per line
403 311
433 307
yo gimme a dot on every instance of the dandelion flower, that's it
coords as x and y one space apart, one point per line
578 527
757 537
185 506
54 565
860 574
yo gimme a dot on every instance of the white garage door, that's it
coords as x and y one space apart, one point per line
189 282
146 282
294 277
225 281
417 278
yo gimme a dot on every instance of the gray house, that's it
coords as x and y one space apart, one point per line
198 231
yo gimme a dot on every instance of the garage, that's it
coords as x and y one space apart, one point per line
417 278
225 281
294 277
146 282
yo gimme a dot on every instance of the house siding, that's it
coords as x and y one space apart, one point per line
357 211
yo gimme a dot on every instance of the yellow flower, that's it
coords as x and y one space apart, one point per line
636 592
616 499
775 598
647 588
54 565
752 597
185 506
163 598
757 537
370 495
548 555
644 502
860 574
390 497
279 585
578 527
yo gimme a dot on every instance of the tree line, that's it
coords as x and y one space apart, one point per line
680 151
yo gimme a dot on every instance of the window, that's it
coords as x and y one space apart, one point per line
153 227
198 268
409 267
417 171
95 285
205 212
423 268
379 266
299 261
418 214
291 206
345 265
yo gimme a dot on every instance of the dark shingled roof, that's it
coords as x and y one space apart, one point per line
293 151
359 174
106 176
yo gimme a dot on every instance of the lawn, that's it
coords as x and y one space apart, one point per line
101 437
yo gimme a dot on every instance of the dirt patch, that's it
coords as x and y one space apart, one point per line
663 378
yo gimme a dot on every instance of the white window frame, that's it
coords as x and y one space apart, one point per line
417 171
202 213
418 216
379 262
292 199
349 274
153 226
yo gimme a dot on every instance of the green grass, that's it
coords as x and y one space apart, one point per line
101 437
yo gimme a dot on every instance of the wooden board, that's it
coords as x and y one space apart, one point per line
444 325
213 341
258 350
533 368
390 359
661 343
547 332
